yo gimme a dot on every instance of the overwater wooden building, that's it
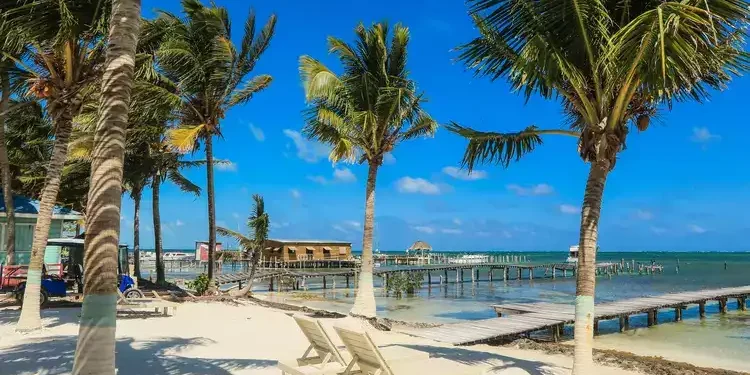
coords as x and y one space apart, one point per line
295 250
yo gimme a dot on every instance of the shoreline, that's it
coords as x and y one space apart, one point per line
656 365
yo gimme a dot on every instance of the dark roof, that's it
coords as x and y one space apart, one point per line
25 205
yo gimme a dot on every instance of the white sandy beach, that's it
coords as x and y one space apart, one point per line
219 338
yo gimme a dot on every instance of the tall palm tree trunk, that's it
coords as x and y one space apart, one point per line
211 208
10 227
95 351
586 273
155 183
254 259
137 194
364 303
30 319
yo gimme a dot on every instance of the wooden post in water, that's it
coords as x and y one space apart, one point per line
459 271
505 273
677 313
473 274
650 319
477 276
623 323
270 285
347 281
446 275
702 309
519 272
723 305
553 272
429 278
596 326
531 273
489 276
741 304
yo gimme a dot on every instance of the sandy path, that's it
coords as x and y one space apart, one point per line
217 338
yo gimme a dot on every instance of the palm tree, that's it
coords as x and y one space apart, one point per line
95 351
258 224
198 54
63 58
612 64
166 166
5 164
363 114
136 176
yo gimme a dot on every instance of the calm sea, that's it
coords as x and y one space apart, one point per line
724 338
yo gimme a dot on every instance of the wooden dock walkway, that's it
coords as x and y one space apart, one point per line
527 318
441 272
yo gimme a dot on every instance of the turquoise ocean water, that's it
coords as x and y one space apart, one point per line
718 340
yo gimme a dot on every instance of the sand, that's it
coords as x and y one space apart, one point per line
224 338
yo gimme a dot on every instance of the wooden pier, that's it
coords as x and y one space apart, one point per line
297 279
527 318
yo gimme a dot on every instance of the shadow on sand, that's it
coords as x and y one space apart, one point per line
54 356
490 362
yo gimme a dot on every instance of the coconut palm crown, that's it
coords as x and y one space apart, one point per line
363 113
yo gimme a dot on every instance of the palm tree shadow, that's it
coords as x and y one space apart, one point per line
490 362
51 317
55 356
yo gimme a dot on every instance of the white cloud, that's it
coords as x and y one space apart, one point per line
644 214
457 221
227 167
179 223
424 229
257 133
569 209
464 174
318 179
340 228
697 229
451 231
295 193
235 215
307 150
279 225
344 175
539 189
353 224
389 159
658 230
703 135
416 185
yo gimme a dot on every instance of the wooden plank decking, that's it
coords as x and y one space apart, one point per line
538 316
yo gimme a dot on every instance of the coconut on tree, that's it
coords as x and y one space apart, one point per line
363 113
212 77
612 66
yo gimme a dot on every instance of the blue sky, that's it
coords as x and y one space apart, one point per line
682 185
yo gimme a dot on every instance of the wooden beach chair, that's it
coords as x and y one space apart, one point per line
368 359
128 304
328 359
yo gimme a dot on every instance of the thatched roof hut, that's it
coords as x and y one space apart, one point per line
419 246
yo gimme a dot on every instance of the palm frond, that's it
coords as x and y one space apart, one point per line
501 148
184 138
182 182
255 85
244 242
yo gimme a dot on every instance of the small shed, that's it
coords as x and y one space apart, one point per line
292 250
26 211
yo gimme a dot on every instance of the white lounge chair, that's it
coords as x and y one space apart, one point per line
328 359
367 359
125 303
